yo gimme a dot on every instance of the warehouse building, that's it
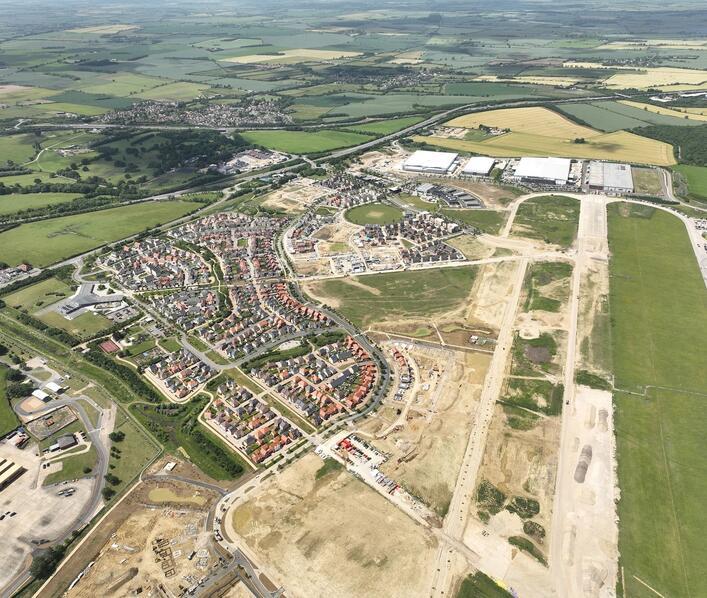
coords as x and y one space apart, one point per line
9 472
543 171
479 166
609 177
430 162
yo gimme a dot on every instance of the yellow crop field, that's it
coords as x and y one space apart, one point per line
621 146
534 120
701 115
291 56
103 29
539 80
661 77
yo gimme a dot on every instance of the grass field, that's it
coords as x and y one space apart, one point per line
366 299
488 221
659 336
696 177
8 419
86 325
620 145
373 213
16 148
72 467
48 241
553 219
481 586
302 142
663 111
613 116
14 202
41 294
386 127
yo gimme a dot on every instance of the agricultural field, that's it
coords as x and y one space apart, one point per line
657 353
39 295
16 149
302 142
552 219
367 299
543 132
17 202
48 241
613 116
373 213
386 127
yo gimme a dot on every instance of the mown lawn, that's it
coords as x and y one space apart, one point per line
659 336
8 419
696 177
48 241
374 213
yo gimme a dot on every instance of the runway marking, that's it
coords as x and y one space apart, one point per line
649 587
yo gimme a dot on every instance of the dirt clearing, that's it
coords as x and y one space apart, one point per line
334 536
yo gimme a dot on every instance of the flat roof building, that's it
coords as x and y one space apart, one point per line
9 472
479 165
41 395
551 171
610 177
432 162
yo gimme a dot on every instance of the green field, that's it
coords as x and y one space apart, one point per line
136 451
696 177
386 127
72 468
373 213
15 202
613 116
33 297
551 218
16 148
480 585
302 142
411 294
87 325
48 241
488 221
659 334
8 419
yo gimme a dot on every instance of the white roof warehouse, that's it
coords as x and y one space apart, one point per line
434 162
554 171
610 176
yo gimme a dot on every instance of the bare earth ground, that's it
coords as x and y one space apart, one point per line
173 511
491 289
294 197
426 453
334 536
473 248
593 325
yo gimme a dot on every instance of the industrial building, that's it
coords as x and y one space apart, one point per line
9 472
479 166
543 171
609 177
430 162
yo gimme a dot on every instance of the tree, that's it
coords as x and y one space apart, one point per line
112 479
117 436
108 493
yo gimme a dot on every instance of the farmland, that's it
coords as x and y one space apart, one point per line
301 142
661 470
366 299
613 116
696 177
48 241
16 202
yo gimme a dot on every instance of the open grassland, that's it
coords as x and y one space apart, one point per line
534 121
386 127
374 213
48 241
87 325
38 295
378 297
16 148
620 145
16 202
303 142
551 218
659 337
696 177
175 92
674 112
488 221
